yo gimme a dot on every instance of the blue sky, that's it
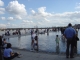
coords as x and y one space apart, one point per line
41 13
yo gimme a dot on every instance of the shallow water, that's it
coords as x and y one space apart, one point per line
46 42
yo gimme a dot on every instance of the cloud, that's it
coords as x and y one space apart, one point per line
77 6
55 19
2 10
8 23
1 3
12 25
3 18
41 17
42 10
10 18
18 17
2 25
26 21
33 12
17 9
46 20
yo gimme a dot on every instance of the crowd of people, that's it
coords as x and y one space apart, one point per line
69 33
7 33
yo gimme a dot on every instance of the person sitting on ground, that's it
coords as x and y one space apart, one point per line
8 53
4 43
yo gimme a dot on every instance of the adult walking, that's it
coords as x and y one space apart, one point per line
70 33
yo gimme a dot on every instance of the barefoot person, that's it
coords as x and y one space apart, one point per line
36 43
32 40
57 40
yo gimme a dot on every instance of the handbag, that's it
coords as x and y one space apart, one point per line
77 38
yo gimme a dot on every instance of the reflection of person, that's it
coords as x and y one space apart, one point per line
69 33
8 53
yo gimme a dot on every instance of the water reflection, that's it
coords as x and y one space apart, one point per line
19 43
46 42
57 49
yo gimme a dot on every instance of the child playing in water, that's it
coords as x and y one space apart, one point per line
57 40
36 43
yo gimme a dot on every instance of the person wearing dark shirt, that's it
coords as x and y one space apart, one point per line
0 48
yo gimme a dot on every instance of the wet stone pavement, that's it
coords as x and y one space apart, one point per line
28 55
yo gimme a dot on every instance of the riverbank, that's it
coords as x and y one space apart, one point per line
28 55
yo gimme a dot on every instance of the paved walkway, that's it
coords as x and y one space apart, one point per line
27 55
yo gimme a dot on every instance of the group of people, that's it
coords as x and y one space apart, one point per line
71 36
69 33
34 41
6 50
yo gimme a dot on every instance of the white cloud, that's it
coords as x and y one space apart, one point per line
33 12
2 25
1 3
77 6
42 10
58 19
10 18
41 17
18 17
17 9
8 23
2 10
3 18
46 20
27 21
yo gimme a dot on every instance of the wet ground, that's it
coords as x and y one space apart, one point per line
46 42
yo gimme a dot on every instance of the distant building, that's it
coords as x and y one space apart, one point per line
77 26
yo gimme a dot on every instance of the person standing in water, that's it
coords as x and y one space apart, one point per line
32 39
36 43
57 40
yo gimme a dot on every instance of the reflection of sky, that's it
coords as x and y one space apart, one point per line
46 43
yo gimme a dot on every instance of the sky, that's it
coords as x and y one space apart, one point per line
38 13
